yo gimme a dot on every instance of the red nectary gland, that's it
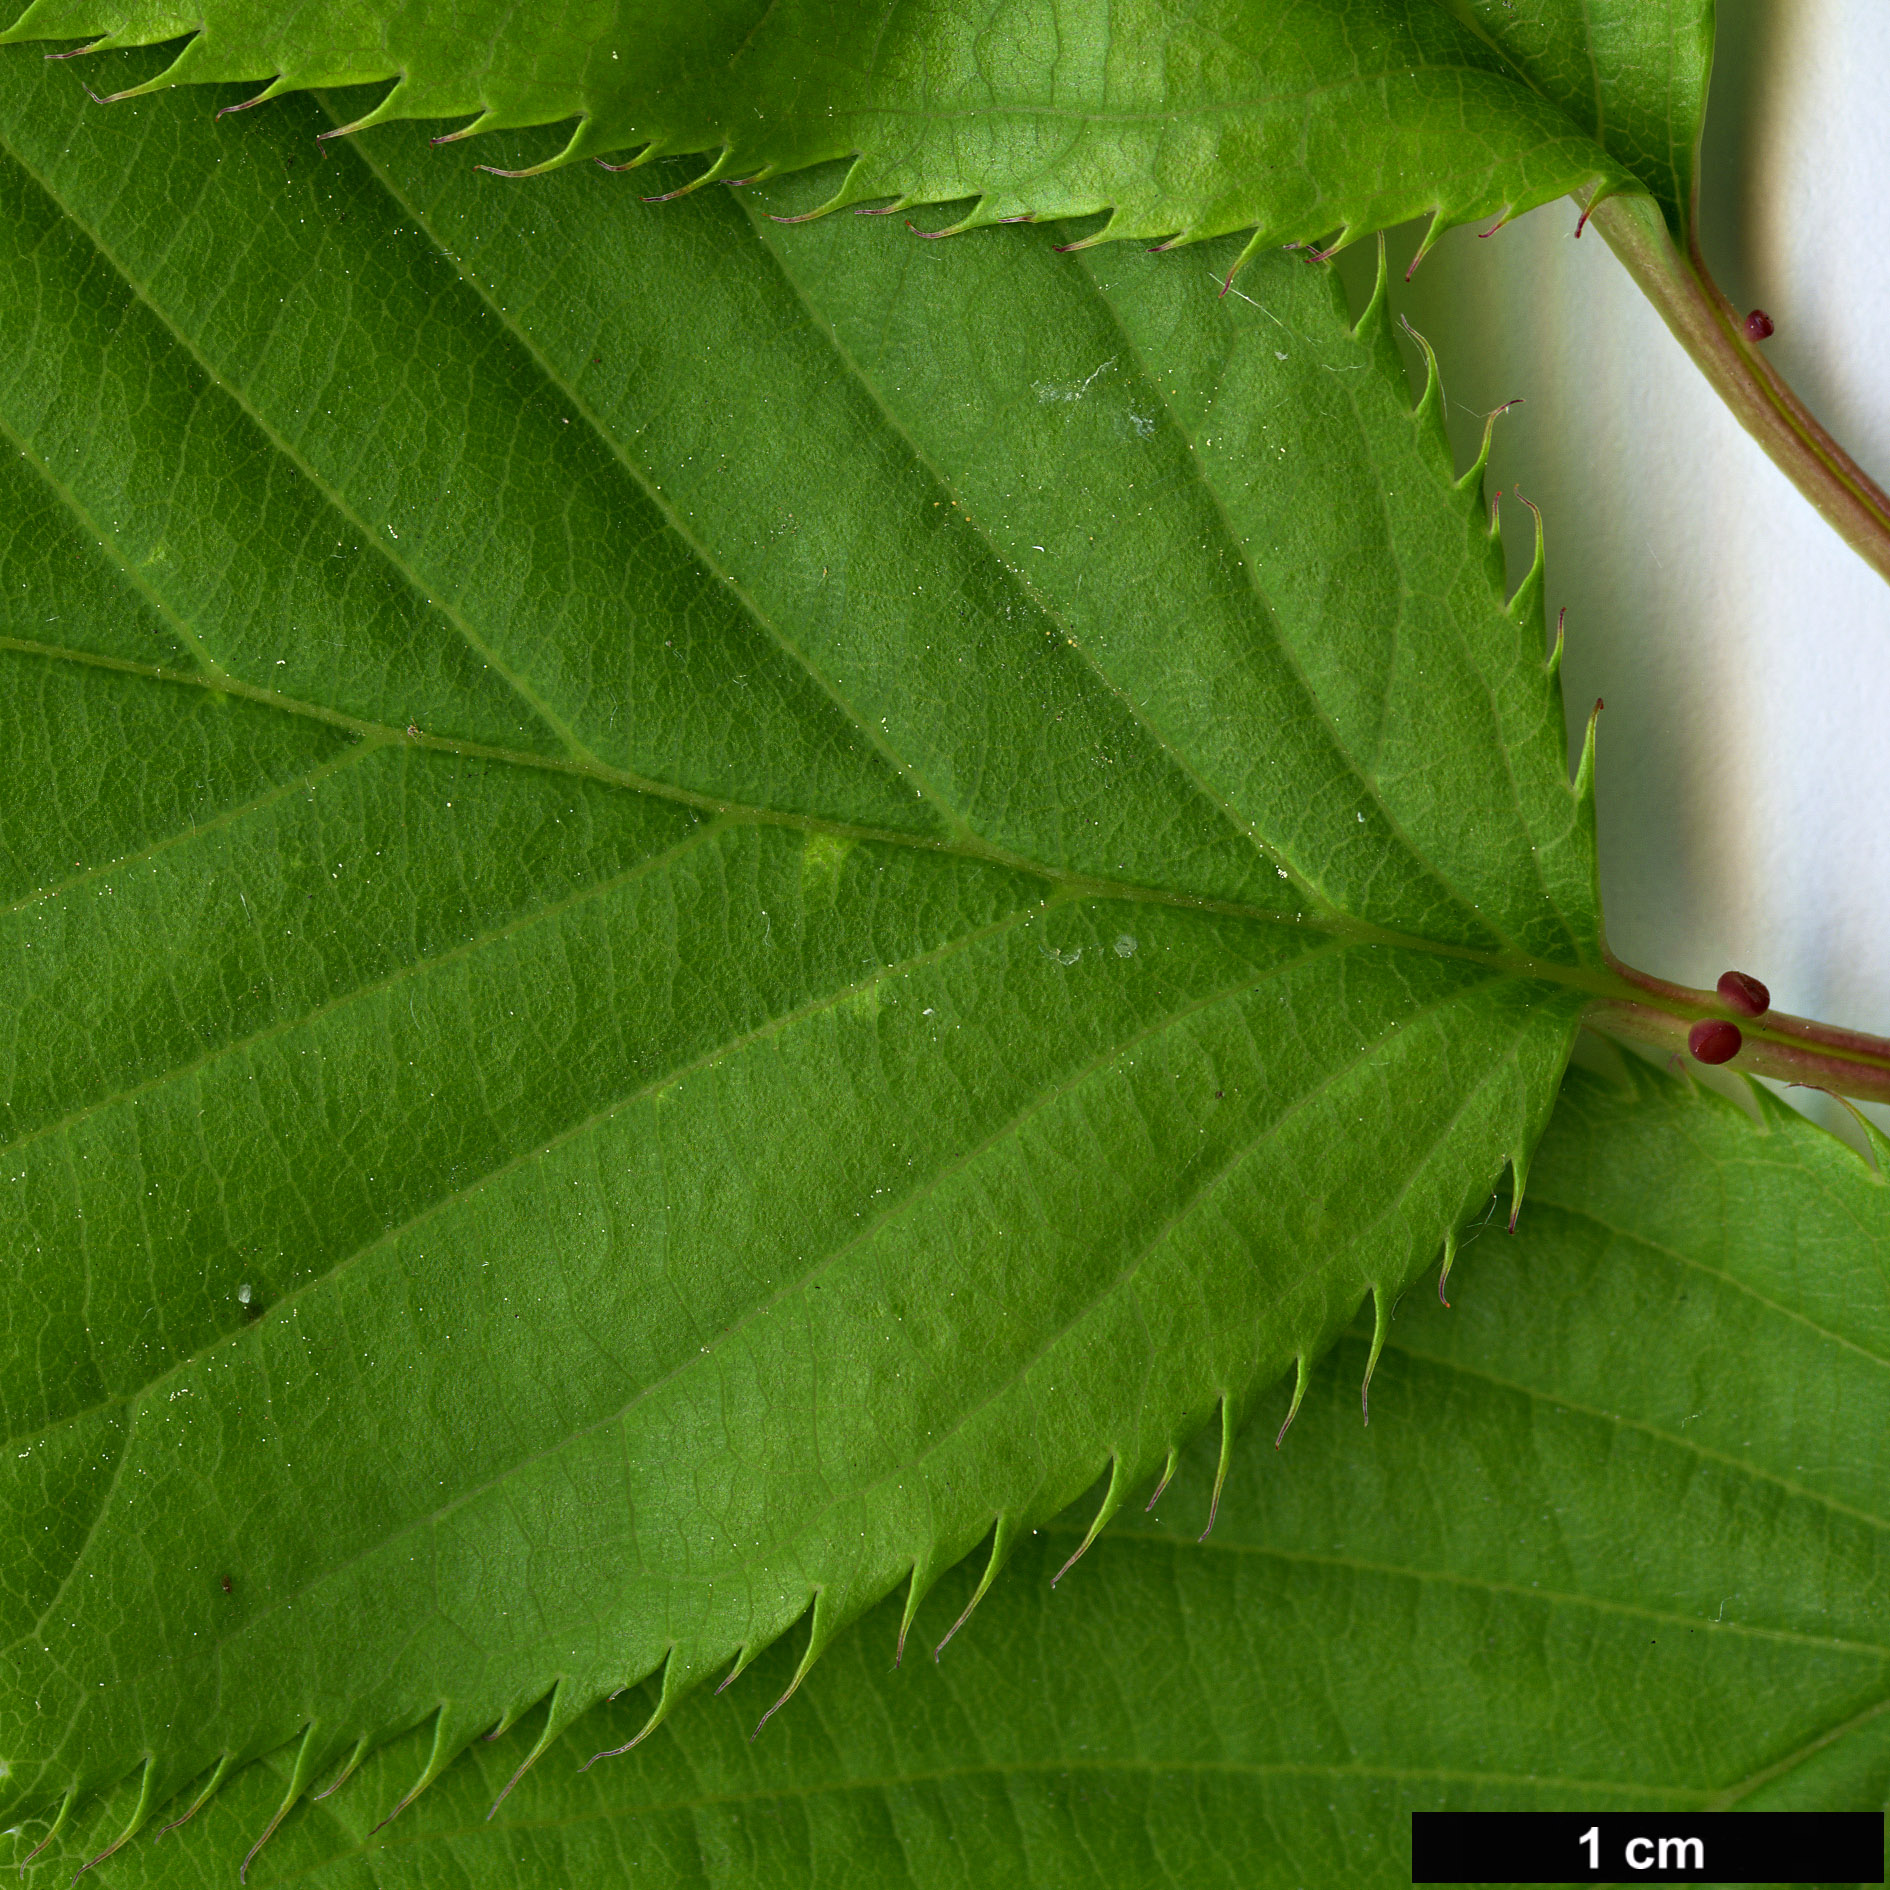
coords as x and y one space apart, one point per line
1713 1040
1744 993
1758 325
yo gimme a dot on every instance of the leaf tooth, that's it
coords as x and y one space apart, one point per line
53 1829
682 1669
176 73
1374 325
454 1729
712 175
1874 1139
317 1748
1439 223
1472 480
1381 1326
347 1771
982 215
1003 1540
471 130
218 1773
1585 771
1253 244
649 151
1555 655
76 52
591 139
1229 1425
859 184
1119 1481
139 1812
1518 1184
830 1615
201 61
274 89
1107 234
393 105
575 147
1302 1377
1428 414
1526 605
567 1702
925 1571
1168 1471
1602 189
1450 1260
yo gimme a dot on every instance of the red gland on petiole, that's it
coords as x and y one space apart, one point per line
1744 993
1713 1040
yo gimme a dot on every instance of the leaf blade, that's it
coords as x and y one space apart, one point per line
1245 117
1175 1709
683 1009
1634 76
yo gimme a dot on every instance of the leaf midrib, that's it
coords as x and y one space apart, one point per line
1597 982
583 760
861 725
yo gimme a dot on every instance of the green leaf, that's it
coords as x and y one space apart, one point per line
692 906
1631 73
1298 122
1615 1538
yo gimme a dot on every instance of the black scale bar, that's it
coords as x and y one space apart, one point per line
1572 1847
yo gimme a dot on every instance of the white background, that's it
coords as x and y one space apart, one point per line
1742 649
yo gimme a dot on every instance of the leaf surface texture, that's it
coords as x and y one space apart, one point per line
1614 1538
693 908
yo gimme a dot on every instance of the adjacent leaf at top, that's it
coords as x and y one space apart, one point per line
1296 119
1631 73
1616 1538
691 907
